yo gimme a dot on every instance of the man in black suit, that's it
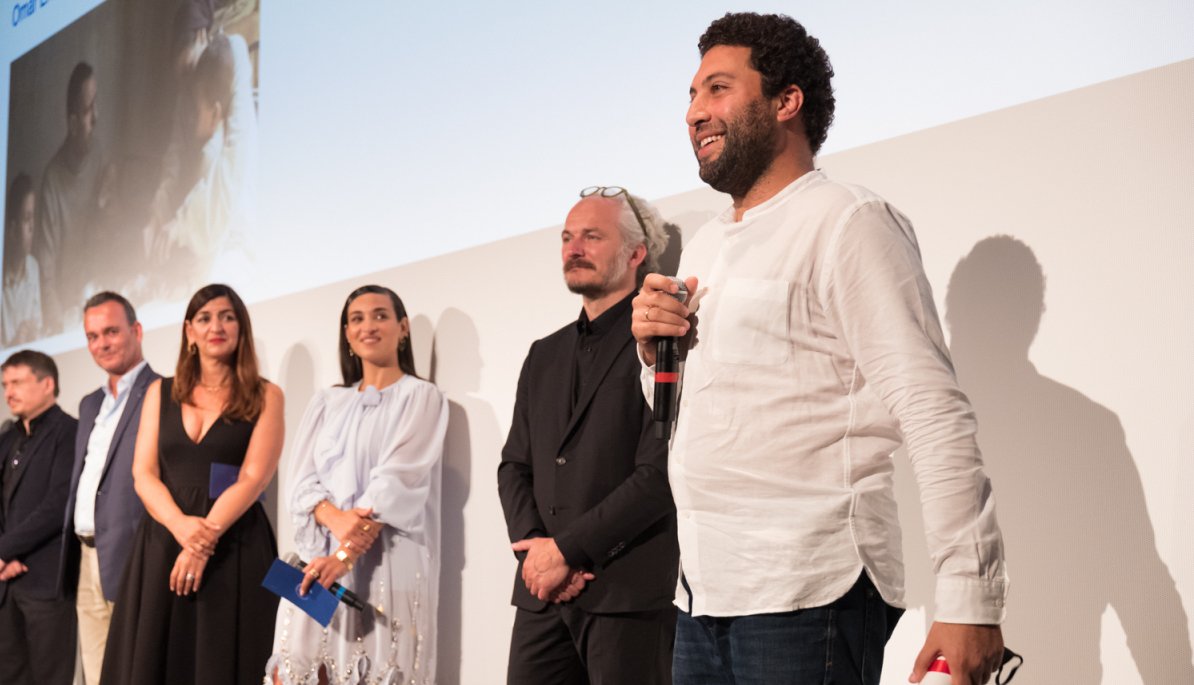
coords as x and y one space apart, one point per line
583 480
103 510
37 613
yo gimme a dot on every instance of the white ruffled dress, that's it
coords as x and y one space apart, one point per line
383 450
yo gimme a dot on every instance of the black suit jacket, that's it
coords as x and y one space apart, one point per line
118 509
32 530
593 477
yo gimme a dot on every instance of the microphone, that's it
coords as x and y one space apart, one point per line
667 375
342 593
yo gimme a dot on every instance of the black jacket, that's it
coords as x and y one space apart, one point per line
31 532
595 478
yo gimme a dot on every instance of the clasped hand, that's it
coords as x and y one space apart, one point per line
547 574
196 535
354 529
187 572
11 570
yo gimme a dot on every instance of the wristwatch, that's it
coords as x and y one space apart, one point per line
342 556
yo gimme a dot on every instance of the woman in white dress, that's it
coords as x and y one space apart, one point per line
364 496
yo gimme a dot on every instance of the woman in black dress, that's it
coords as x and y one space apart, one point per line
192 609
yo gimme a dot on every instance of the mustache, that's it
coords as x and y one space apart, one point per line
578 262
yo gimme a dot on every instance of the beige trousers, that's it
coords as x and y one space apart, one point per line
95 613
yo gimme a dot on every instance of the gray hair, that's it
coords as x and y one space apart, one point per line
652 233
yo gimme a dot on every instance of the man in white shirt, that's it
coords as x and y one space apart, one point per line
103 511
812 350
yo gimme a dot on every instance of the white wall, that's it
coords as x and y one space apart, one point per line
1087 446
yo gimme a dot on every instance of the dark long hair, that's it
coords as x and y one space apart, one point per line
350 365
248 387
14 250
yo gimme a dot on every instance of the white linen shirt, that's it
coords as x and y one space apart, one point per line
816 350
99 443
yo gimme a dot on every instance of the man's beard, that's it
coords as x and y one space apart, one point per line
746 152
596 290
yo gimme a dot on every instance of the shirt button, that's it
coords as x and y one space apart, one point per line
560 461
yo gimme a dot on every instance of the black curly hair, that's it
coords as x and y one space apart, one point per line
784 54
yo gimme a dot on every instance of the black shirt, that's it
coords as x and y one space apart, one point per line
588 342
12 460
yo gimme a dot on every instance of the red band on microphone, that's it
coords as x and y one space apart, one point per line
939 665
667 377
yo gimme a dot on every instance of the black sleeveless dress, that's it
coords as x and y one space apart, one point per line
223 634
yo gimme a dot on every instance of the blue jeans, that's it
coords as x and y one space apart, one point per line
841 642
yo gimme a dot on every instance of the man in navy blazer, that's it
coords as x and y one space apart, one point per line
37 617
103 511
583 479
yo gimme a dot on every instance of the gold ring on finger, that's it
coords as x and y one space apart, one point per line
647 313
365 528
314 573
348 544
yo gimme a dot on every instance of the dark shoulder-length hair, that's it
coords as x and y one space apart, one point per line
14 250
350 364
248 387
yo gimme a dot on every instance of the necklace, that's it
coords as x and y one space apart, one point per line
216 387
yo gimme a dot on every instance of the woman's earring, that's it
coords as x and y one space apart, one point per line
402 344
350 353
193 349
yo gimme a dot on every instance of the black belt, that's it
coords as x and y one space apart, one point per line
87 540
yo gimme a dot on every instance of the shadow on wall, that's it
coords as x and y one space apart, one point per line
297 374
1069 496
456 370
681 228
669 259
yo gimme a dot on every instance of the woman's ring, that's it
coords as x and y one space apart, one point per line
348 544
647 313
365 528
190 577
314 573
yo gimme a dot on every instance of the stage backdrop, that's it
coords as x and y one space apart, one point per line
1044 155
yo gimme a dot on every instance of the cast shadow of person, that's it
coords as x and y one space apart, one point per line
1069 497
296 376
456 370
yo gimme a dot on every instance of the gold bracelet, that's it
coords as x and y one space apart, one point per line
342 555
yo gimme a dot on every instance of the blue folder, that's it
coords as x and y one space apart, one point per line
223 476
284 580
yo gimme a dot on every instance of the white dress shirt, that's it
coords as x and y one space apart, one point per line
98 445
816 351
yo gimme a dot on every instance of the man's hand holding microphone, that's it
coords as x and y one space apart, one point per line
657 312
659 319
